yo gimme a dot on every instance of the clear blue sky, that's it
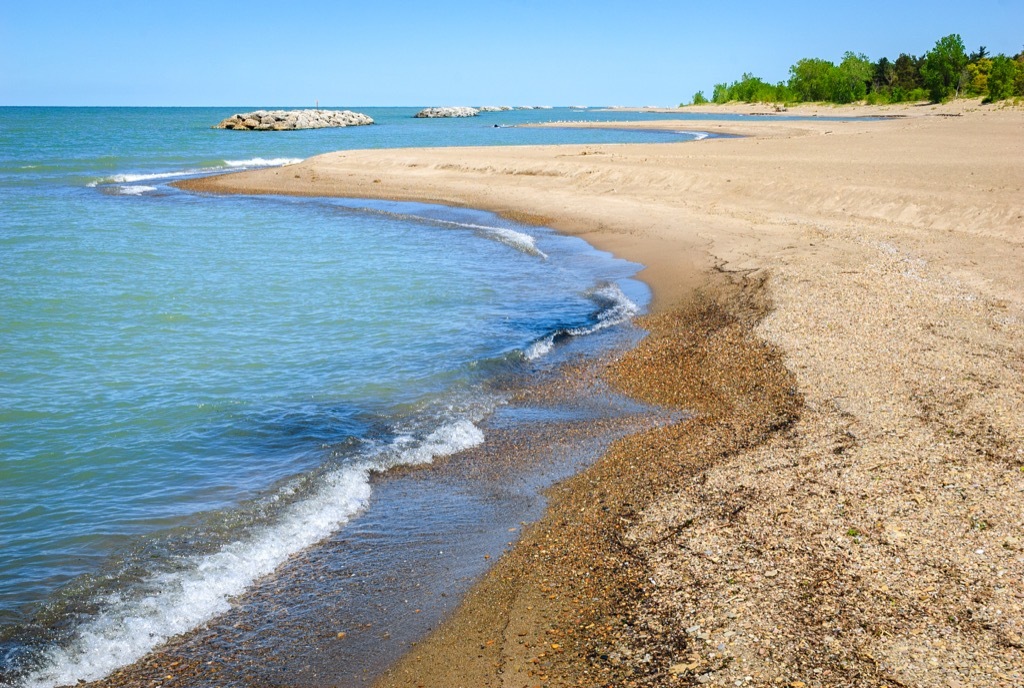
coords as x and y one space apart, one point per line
451 52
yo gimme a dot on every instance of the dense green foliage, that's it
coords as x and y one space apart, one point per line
750 89
1001 77
946 71
943 68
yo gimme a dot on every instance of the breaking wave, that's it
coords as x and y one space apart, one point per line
134 190
168 604
697 135
614 308
262 162
510 237
249 163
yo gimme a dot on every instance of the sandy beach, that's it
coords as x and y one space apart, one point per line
841 305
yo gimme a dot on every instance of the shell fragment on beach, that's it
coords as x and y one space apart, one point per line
288 120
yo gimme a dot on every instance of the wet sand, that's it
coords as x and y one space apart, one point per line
841 306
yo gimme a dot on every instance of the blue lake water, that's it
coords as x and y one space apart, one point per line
192 389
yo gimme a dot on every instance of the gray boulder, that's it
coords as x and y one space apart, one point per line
289 120
435 112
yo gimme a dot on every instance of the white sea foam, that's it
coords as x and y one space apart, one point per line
129 178
132 178
616 308
540 348
449 439
262 162
131 626
510 237
134 189
697 135
519 240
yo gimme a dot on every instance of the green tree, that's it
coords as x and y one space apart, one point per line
752 89
884 74
908 71
851 79
1001 78
1018 82
977 77
810 79
944 68
944 71
699 99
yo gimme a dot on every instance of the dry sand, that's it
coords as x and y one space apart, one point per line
842 305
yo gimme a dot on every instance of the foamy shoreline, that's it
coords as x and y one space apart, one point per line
886 256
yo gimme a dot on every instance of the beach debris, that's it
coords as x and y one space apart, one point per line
683 668
288 120
436 112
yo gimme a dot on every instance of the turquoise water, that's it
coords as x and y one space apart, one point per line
193 389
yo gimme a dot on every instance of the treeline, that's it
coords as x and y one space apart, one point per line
946 71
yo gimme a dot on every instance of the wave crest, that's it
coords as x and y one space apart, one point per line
262 162
614 308
134 189
510 237
130 626
249 163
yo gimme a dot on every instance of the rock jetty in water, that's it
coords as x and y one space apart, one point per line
287 120
448 112
494 108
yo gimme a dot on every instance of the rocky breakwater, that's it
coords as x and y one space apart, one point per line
434 112
287 120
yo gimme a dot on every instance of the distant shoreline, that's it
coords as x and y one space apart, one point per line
852 110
